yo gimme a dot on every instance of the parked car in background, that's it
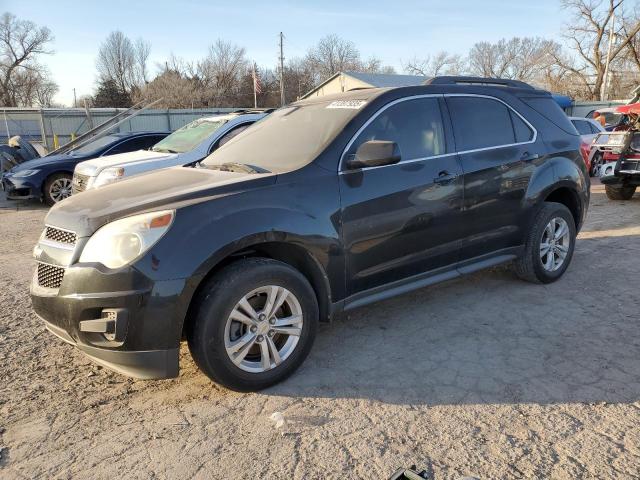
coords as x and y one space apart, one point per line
49 178
186 145
620 149
588 129
611 117
326 205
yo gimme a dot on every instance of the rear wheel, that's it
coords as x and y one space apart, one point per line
254 324
56 188
619 193
549 245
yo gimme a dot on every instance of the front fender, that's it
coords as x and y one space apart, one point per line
304 213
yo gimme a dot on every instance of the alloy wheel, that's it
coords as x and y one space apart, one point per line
554 244
60 189
263 329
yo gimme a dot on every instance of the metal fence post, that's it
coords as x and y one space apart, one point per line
43 131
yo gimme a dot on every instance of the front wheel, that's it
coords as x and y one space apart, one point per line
56 188
549 245
619 193
254 324
596 162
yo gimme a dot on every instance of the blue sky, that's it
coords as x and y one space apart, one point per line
394 31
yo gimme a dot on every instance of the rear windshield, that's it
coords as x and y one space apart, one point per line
188 137
96 146
289 138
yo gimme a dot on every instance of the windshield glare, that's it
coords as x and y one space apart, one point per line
188 137
95 146
287 139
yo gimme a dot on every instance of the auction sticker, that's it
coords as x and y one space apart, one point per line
349 104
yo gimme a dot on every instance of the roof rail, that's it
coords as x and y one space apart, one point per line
488 82
254 110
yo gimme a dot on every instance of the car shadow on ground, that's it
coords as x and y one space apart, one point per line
491 338
20 204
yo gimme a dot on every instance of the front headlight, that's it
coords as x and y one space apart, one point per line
107 176
25 173
121 242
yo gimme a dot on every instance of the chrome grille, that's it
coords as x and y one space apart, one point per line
79 183
60 236
50 276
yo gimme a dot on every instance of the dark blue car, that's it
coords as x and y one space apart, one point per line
49 178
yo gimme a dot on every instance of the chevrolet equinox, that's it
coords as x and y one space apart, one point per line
326 205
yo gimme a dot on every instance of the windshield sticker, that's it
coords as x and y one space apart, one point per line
349 104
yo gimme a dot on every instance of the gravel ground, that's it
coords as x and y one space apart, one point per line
484 376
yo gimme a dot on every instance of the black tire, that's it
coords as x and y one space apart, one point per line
529 265
216 301
46 189
619 193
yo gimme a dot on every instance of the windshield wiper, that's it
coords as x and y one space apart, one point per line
236 167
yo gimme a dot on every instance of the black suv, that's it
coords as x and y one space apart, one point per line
326 205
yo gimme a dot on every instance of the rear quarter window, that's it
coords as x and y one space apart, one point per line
550 110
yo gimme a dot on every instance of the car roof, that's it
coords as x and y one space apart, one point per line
436 86
232 115
134 134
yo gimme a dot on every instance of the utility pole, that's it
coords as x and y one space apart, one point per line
281 71
604 94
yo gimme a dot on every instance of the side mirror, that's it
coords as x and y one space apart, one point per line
375 153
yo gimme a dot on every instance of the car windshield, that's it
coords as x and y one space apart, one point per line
188 137
94 147
288 139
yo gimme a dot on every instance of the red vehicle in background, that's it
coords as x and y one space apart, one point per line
620 151
588 129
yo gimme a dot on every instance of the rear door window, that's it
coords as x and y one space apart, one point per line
133 144
480 122
415 125
583 127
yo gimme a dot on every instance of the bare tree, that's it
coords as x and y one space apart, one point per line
441 63
375 65
332 54
220 72
141 51
176 91
588 37
21 76
516 58
123 61
116 61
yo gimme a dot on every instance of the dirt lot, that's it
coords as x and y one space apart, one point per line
484 376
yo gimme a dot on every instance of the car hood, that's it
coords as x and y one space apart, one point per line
170 188
93 166
43 162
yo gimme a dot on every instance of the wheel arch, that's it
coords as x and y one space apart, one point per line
292 254
562 179
49 175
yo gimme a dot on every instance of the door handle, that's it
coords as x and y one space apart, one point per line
444 177
527 157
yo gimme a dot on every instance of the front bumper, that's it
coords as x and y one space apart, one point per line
19 188
625 173
146 365
147 343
